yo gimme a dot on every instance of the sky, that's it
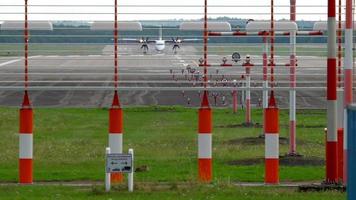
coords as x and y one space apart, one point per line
250 9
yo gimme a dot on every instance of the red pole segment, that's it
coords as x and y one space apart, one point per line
331 146
234 101
348 74
293 10
26 122
115 112
271 126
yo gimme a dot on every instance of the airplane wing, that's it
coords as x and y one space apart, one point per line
179 41
136 40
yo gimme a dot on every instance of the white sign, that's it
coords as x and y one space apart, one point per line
119 163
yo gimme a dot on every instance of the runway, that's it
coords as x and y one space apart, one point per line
152 70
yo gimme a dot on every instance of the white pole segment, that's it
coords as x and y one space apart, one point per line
131 175
107 174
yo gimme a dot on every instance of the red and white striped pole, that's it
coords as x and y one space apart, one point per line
115 112
205 165
205 141
293 97
331 146
348 74
340 99
271 126
116 133
271 122
26 142
26 121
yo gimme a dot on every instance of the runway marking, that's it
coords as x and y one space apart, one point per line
9 62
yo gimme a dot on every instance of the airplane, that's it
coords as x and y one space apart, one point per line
160 43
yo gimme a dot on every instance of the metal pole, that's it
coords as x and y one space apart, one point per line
131 175
265 73
292 97
348 74
248 95
331 146
107 174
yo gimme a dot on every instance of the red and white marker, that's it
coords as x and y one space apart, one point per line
271 126
205 141
348 74
26 142
116 133
331 146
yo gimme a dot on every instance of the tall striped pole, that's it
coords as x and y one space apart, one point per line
340 98
271 122
293 97
351 128
26 121
331 145
348 74
205 165
115 112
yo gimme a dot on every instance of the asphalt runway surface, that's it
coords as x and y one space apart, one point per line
152 70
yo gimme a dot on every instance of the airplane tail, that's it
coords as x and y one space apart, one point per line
160 33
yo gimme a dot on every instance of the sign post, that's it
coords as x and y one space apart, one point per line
119 163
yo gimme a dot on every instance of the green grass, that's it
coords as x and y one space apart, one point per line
69 145
51 49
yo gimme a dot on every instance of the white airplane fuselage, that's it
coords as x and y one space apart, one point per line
160 45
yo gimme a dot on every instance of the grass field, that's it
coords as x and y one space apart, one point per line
69 145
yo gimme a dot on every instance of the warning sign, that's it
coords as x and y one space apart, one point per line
119 163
